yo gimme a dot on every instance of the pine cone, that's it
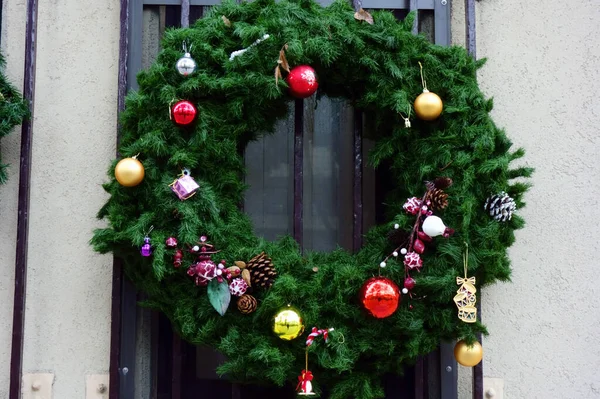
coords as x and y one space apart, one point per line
440 182
500 206
438 198
262 272
246 304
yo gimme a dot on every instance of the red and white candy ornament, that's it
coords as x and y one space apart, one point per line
238 287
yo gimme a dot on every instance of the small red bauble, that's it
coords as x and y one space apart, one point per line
409 283
177 258
419 246
171 242
302 81
183 113
424 237
380 296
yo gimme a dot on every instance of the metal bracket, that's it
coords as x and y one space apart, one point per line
37 386
96 386
493 388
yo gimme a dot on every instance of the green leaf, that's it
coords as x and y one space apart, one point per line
219 296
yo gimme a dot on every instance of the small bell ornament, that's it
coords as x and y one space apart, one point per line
304 387
186 64
185 186
433 226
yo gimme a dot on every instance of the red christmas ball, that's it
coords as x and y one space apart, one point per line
380 296
302 81
183 112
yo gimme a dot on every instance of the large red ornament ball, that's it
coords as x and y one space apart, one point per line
380 296
302 81
183 112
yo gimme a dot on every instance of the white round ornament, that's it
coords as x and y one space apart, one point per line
186 65
433 226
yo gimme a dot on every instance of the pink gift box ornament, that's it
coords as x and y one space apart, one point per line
185 186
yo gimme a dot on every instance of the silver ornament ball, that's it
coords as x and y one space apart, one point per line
186 65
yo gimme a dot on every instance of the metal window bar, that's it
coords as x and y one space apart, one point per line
123 346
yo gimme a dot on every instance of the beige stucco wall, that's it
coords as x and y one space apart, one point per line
67 325
543 71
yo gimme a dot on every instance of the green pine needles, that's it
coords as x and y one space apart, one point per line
375 67
13 109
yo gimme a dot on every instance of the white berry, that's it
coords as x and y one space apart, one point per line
396 226
195 248
395 253
403 251
382 264
404 291
219 272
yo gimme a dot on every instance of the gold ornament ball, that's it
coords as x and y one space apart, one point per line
288 324
129 172
466 355
428 106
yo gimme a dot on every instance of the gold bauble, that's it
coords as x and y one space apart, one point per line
428 106
288 324
129 172
466 355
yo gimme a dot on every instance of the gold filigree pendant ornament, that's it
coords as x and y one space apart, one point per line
465 297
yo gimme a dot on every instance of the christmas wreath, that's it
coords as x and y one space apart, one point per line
175 221
12 110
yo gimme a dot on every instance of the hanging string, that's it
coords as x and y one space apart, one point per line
306 365
423 81
466 258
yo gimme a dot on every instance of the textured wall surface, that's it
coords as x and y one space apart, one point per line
13 42
543 71
67 326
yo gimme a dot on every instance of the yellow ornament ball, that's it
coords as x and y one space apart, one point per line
428 106
466 355
288 324
129 172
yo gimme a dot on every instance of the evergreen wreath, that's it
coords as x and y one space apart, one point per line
376 68
13 110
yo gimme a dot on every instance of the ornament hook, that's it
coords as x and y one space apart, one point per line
149 230
423 81
185 47
406 118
